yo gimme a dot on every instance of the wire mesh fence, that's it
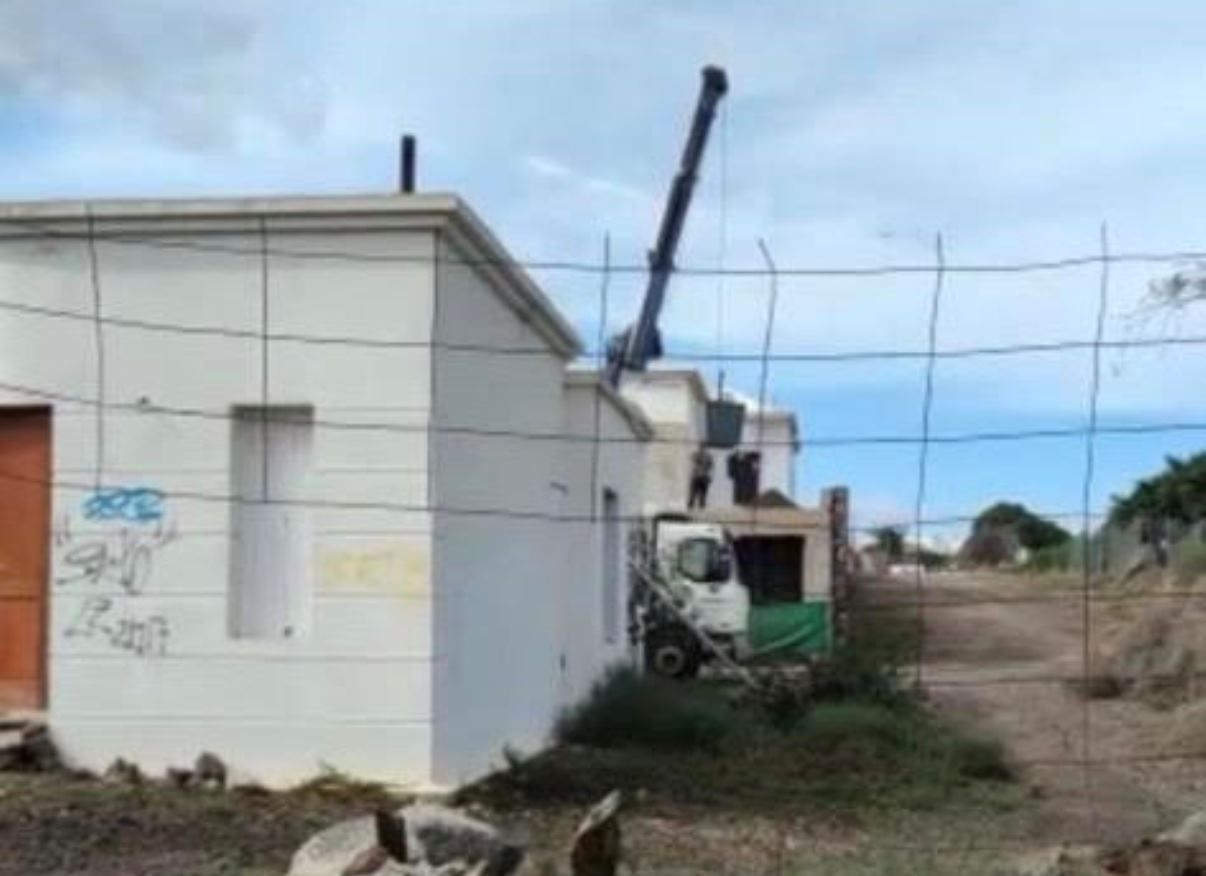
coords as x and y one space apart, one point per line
1085 736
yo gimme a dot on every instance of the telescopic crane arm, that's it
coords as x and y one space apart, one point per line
635 346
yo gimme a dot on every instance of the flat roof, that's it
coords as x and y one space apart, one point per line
768 520
123 219
654 374
583 378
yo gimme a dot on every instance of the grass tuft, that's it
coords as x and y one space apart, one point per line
694 743
629 710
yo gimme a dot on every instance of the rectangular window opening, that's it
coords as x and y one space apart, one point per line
270 526
772 567
611 569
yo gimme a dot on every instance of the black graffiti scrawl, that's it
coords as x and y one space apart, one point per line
108 552
96 618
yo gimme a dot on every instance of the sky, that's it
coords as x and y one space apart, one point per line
854 135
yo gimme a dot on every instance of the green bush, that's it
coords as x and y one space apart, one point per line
706 745
1190 559
898 741
867 667
833 726
629 710
1055 558
852 674
980 758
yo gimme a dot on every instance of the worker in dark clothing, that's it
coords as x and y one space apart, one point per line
745 469
701 477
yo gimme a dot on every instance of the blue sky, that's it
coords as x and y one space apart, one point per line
853 133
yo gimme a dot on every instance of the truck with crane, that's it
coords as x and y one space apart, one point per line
689 602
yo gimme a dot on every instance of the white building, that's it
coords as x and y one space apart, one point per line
277 488
772 433
784 550
675 402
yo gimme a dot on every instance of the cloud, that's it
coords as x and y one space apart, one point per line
853 132
198 76
584 185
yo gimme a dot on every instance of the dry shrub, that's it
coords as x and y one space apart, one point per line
1158 657
1187 730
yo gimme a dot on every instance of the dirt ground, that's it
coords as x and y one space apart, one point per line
1000 650
997 653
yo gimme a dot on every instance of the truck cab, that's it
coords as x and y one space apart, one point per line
697 563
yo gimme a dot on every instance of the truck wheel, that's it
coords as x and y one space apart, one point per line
673 653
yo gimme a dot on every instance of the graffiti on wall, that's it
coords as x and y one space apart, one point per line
123 556
98 619
131 504
391 568
107 553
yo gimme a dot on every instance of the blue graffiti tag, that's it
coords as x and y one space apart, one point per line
131 504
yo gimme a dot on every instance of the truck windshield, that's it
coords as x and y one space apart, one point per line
705 560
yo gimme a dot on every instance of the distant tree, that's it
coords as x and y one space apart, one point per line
932 559
890 541
1029 529
1177 494
989 547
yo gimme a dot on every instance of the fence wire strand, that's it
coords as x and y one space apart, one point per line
1090 471
923 449
89 230
51 229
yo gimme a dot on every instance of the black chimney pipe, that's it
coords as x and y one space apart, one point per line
407 167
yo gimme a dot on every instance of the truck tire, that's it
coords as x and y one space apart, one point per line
672 652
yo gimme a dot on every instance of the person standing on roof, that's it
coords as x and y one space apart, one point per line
701 477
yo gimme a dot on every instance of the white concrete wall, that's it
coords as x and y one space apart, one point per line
679 420
616 464
498 554
679 416
778 459
144 667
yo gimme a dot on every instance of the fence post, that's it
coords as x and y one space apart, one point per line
836 502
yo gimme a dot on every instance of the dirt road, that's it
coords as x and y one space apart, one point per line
1000 651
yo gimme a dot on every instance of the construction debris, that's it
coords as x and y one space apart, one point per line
25 746
428 838
1177 852
122 772
179 778
209 771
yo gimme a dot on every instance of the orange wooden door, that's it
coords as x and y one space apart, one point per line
24 548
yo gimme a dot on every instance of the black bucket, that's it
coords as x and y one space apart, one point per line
725 419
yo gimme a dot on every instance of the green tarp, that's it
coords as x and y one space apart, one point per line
790 628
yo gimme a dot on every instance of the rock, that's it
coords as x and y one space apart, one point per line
1153 858
1190 833
12 745
435 839
39 749
1180 851
178 777
122 772
371 860
1061 861
596 849
391 836
27 747
425 839
210 771
11 738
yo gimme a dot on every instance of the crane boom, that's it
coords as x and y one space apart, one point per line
639 343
